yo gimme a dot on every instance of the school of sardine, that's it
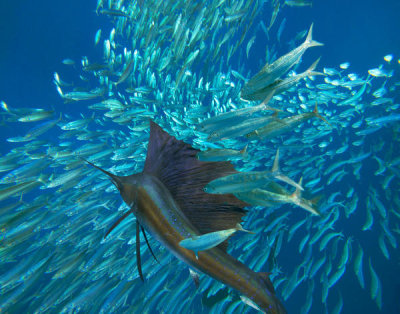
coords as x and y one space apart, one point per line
183 64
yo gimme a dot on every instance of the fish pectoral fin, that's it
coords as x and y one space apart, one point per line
115 224
148 244
138 259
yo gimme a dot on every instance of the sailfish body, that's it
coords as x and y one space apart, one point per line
169 202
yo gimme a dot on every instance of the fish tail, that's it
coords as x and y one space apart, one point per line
240 228
309 41
297 193
318 115
268 98
310 71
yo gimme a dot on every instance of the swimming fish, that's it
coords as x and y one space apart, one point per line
209 240
271 73
168 201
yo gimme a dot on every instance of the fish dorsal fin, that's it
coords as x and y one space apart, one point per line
176 165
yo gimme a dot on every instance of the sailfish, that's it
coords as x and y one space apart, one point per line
169 202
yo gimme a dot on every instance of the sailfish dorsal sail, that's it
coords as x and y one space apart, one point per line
175 164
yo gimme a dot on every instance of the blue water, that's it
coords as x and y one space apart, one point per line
37 36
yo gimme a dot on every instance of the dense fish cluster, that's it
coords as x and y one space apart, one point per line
183 64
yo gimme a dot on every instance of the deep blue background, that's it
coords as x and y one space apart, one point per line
37 35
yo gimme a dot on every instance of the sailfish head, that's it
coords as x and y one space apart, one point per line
126 185
128 188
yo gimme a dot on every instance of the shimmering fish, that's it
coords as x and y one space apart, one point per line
276 128
298 3
246 181
216 154
209 240
281 85
272 72
127 72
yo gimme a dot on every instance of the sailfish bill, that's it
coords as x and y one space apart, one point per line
169 202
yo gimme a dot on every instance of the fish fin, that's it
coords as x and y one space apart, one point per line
298 190
266 280
195 277
148 244
310 71
318 115
268 98
316 199
276 188
244 150
309 41
275 167
280 176
115 224
240 228
138 259
175 164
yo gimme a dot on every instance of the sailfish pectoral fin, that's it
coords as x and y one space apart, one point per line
148 244
138 259
117 222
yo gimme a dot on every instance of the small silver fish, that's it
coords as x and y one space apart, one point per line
209 240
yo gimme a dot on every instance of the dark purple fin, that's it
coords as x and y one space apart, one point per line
175 164
138 259
148 244
115 224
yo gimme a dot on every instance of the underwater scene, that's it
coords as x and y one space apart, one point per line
185 156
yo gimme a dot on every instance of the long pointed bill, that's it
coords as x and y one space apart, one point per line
114 179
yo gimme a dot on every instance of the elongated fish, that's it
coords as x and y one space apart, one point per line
209 240
222 154
276 128
270 73
281 85
247 181
168 201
